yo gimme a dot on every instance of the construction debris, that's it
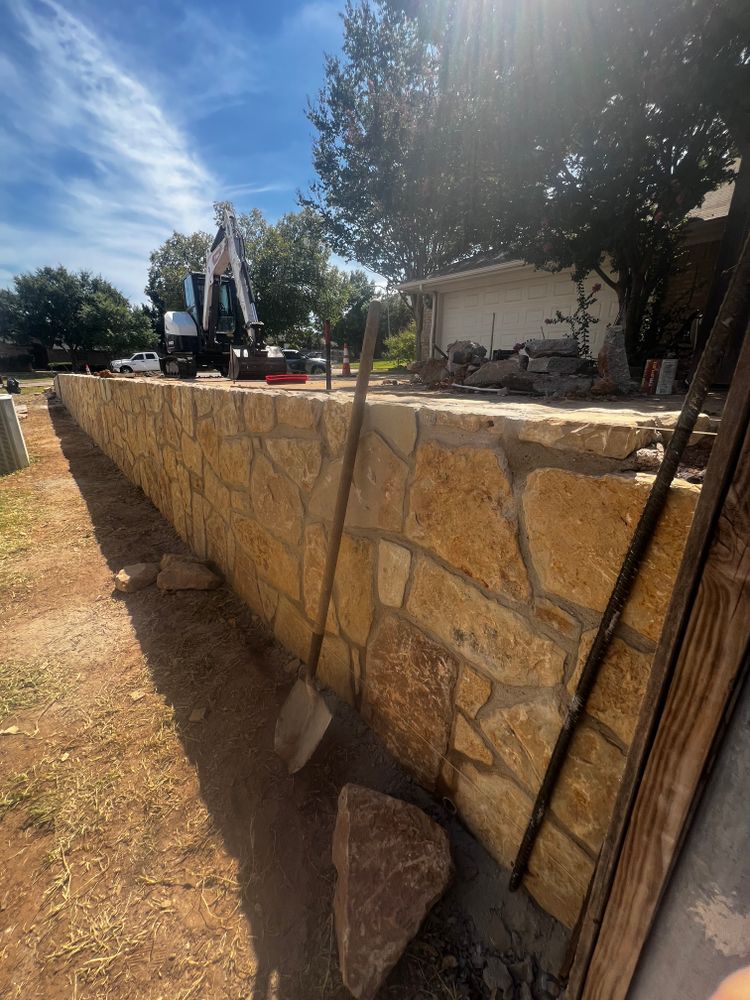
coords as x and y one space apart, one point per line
136 577
393 864
563 347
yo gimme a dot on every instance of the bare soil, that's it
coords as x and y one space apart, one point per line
143 854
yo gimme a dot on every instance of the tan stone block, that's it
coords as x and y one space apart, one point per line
336 415
216 540
208 439
334 670
497 811
396 422
292 629
323 497
316 540
204 399
352 587
273 561
259 411
182 407
235 456
269 600
241 501
228 413
496 639
473 691
192 455
461 506
299 458
556 618
216 494
394 563
297 410
524 736
377 497
245 581
620 685
579 528
585 794
276 501
469 743
408 695
573 435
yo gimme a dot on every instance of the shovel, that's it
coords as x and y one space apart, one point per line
304 716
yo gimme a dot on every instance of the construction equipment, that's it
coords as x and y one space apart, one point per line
304 716
220 327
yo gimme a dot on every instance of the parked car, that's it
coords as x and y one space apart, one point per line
144 361
297 362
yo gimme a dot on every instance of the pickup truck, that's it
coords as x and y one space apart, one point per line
144 361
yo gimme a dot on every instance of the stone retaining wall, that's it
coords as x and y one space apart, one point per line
478 552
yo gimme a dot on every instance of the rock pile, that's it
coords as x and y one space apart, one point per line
174 572
545 368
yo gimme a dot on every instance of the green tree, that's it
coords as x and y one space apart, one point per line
168 265
389 152
107 321
350 328
401 347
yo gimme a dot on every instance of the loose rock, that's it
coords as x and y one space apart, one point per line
393 864
433 371
497 976
136 577
187 575
493 372
554 366
174 557
612 360
564 347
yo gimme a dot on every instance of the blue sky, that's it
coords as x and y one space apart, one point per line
121 121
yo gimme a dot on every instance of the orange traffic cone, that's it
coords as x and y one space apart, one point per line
346 368
88 370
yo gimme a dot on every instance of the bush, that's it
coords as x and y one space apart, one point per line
401 347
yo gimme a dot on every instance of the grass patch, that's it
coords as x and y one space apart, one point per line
24 685
15 519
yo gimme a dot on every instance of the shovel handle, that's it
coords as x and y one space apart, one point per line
345 483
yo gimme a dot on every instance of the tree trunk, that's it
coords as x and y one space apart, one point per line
633 316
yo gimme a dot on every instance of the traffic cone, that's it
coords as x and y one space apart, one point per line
88 370
346 368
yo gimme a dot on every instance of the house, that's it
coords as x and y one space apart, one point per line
467 296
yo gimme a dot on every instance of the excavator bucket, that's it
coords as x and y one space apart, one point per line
252 365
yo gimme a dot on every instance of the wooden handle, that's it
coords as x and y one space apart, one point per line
345 483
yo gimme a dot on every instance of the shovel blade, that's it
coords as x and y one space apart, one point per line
301 725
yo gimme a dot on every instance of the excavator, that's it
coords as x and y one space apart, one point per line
219 327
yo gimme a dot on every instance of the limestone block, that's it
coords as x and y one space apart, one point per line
258 411
245 581
394 563
336 415
299 458
217 538
292 629
469 743
192 455
182 406
216 493
352 587
187 575
620 686
461 507
586 790
297 410
204 399
496 639
276 501
273 561
396 422
609 440
208 439
524 736
136 577
554 366
556 618
269 600
408 695
493 371
496 809
197 528
316 540
334 669
561 347
473 691
228 412
235 456
579 528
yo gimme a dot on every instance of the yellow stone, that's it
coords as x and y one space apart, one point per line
273 561
234 461
216 493
394 562
292 629
227 412
269 599
497 640
524 735
314 561
579 528
208 439
334 670
297 410
556 618
377 497
461 506
336 414
396 422
352 587
299 458
473 691
469 743
245 581
258 410
276 501
192 455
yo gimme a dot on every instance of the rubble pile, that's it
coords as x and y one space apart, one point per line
540 368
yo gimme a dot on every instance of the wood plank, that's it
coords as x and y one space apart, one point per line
712 657
720 469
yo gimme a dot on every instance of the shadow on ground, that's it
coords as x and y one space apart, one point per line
206 650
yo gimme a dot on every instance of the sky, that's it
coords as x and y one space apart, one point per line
121 121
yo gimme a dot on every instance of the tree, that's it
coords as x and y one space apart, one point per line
107 321
388 152
401 347
350 328
169 263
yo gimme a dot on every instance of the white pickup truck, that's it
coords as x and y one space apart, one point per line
144 361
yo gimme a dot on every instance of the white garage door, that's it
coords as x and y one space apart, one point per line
520 304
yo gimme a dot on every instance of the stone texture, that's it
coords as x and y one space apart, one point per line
612 360
314 562
498 640
492 372
473 692
556 618
269 599
272 560
408 695
497 811
299 458
393 864
433 371
461 507
292 629
593 438
554 366
136 577
187 575
297 410
258 410
524 735
216 493
276 501
245 580
620 686
335 423
587 787
334 669
396 422
394 563
377 497
469 743
352 587
234 461
564 347
579 528
227 412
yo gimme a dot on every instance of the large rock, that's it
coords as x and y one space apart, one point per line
276 501
562 347
408 695
433 372
612 360
186 574
554 365
136 577
393 864
352 587
493 372
524 736
394 563
273 561
299 458
462 507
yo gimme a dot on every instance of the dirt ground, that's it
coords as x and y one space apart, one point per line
151 844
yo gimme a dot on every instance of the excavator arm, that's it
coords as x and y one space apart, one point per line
229 249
